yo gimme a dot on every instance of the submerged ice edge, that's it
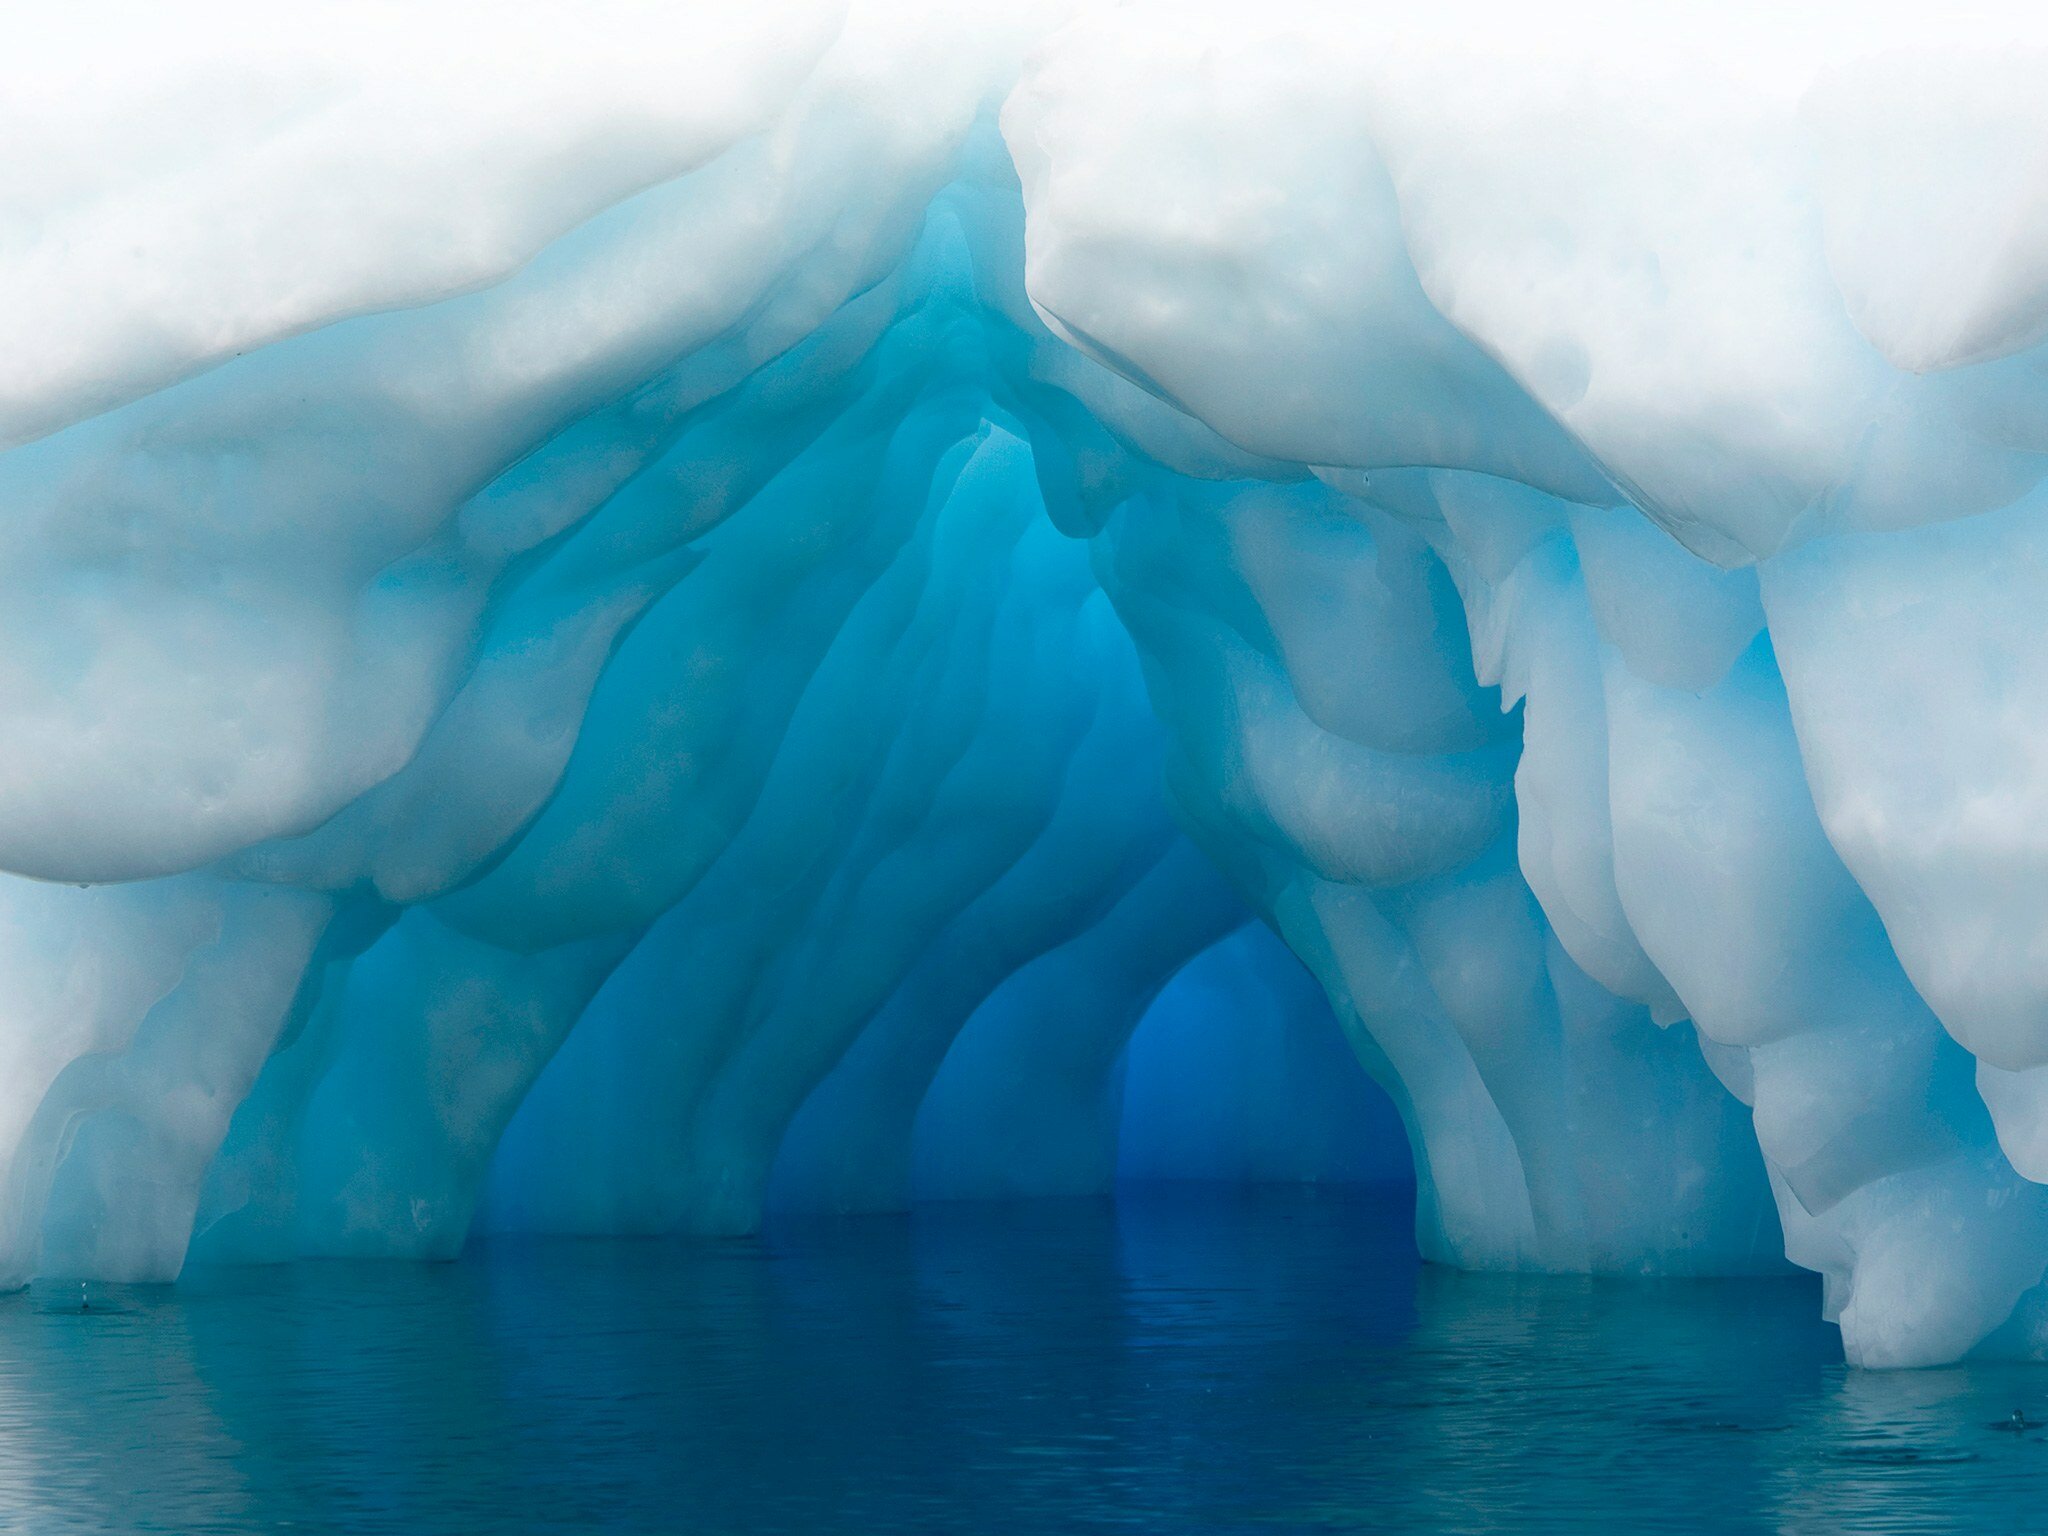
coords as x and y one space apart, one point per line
738 646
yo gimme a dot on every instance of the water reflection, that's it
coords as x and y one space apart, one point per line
1185 1363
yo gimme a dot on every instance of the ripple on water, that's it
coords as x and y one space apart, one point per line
1181 1364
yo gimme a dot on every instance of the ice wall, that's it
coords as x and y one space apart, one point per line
604 625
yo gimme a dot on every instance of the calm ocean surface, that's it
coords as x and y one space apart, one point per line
1184 1362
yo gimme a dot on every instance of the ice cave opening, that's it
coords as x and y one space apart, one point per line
617 658
768 805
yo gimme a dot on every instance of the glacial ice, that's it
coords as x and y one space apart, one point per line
611 621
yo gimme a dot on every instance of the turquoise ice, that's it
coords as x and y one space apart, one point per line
690 611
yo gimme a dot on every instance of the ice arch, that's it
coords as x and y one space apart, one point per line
706 613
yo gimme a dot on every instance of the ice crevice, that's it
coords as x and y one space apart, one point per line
696 617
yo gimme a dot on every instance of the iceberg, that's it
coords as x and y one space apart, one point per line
607 623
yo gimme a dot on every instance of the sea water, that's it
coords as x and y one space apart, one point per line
1181 1360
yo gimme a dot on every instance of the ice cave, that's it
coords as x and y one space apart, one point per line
636 616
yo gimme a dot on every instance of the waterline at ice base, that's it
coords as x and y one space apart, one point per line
622 619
